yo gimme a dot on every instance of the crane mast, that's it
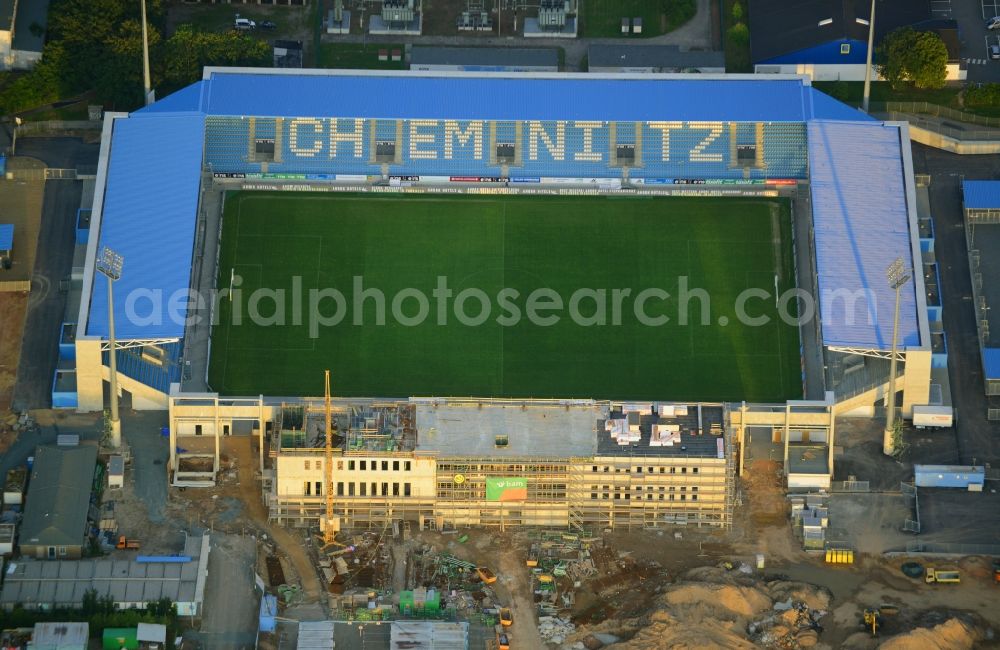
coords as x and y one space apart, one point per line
328 531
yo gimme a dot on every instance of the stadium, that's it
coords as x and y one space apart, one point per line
526 276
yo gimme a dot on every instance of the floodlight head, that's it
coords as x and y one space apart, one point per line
110 263
896 273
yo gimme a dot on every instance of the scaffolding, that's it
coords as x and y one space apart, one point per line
619 488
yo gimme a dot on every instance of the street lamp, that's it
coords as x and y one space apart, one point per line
868 59
109 263
13 142
897 276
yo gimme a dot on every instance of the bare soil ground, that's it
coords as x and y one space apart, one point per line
13 307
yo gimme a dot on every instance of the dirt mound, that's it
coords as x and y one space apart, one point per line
953 634
721 601
664 631
976 567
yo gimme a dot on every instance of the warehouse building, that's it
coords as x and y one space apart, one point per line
129 583
55 512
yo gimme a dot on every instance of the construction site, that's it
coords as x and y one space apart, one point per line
439 465
625 525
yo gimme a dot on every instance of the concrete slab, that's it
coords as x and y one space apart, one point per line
471 430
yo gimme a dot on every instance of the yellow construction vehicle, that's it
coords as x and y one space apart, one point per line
487 576
502 638
945 575
873 620
506 617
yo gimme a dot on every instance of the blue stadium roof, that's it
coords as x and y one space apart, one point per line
861 225
150 208
6 236
981 195
991 362
506 97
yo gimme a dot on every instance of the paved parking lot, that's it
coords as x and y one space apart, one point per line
975 37
941 9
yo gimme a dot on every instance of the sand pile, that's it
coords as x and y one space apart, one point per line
953 634
722 601
665 631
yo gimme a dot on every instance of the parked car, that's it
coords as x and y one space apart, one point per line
993 23
268 25
995 51
244 25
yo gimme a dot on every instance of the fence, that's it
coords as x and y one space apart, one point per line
57 126
850 486
911 525
952 549
937 111
956 132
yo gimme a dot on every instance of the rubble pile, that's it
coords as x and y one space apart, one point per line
554 629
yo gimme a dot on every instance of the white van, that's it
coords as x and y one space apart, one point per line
244 25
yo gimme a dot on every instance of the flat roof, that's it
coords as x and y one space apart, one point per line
991 362
150 209
534 431
6 236
504 96
807 459
694 442
63 583
951 469
31 15
861 224
6 15
981 195
614 55
485 57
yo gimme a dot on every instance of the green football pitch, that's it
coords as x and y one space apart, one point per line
472 288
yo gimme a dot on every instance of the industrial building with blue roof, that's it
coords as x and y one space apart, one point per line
981 201
257 126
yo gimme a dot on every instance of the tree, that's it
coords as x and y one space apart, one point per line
909 55
738 49
737 12
188 51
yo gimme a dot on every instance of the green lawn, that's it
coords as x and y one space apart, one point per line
356 56
519 244
603 18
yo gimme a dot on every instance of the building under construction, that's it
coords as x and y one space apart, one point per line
440 464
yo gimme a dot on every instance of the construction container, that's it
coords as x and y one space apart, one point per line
13 487
7 539
116 472
120 637
839 556
949 476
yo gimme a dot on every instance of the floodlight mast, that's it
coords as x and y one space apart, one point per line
897 276
147 90
109 264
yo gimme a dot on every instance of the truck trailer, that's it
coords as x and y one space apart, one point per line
933 417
